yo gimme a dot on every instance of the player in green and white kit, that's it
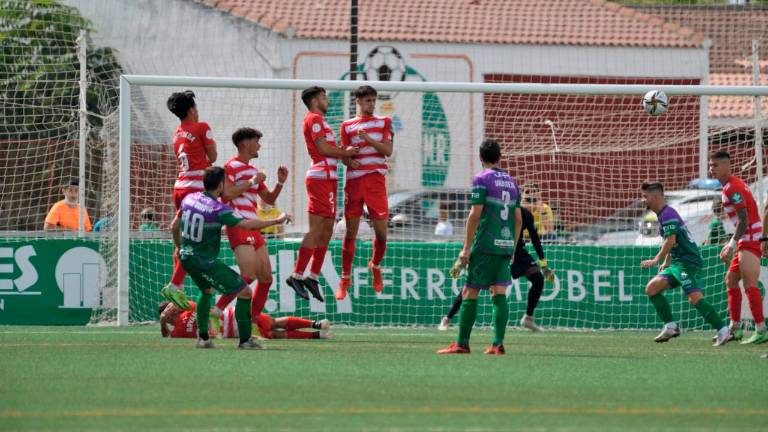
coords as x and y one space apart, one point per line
493 228
198 237
681 264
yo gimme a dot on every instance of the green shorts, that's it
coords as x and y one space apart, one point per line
486 270
212 273
678 274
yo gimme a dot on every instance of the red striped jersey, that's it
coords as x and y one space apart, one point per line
736 195
229 324
371 160
186 324
239 172
323 168
189 142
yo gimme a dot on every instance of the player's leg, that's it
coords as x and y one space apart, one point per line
352 221
197 270
669 277
264 281
695 297
500 303
375 196
316 208
749 264
525 265
312 281
174 291
446 320
732 279
227 281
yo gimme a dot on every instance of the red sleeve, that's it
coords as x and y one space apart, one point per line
344 136
736 196
387 129
315 127
261 187
229 174
207 135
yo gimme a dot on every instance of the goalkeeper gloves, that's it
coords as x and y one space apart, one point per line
456 269
548 273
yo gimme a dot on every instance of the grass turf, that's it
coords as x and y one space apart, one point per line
63 378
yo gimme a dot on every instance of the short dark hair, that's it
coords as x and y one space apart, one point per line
308 94
148 214
720 155
652 186
179 103
245 133
212 177
161 307
365 90
74 181
490 151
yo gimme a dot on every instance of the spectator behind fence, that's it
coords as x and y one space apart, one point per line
543 216
717 232
65 214
266 212
148 220
444 226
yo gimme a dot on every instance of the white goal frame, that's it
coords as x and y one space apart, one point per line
126 81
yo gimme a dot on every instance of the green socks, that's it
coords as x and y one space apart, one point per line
243 318
709 314
500 318
662 308
203 314
467 316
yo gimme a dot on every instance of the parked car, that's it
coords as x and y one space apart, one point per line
413 214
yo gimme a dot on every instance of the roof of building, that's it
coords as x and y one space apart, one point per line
554 22
735 106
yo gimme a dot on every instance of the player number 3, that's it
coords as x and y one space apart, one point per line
505 211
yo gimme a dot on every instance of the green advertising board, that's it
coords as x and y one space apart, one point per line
58 281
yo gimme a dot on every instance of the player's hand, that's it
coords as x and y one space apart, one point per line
365 137
284 217
353 163
464 257
258 178
726 253
456 269
282 173
649 263
548 273
351 150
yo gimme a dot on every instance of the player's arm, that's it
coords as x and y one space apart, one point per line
326 149
741 229
669 242
229 219
52 219
209 144
384 146
167 319
269 196
530 227
473 220
232 190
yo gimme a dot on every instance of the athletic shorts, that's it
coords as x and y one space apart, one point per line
238 236
322 197
486 270
678 274
522 264
751 246
179 194
371 190
212 273
263 323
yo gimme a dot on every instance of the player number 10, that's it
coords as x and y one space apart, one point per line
193 229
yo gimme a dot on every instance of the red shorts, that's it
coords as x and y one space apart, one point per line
322 197
239 236
371 190
179 194
751 247
264 323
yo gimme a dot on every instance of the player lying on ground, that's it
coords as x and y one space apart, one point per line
178 323
195 151
321 184
198 238
365 184
493 229
681 264
741 208
522 265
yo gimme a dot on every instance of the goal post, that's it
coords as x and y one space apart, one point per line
497 100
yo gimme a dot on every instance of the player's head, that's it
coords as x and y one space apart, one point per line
161 307
213 180
247 141
653 195
531 194
71 190
148 214
315 99
366 99
182 105
490 152
720 165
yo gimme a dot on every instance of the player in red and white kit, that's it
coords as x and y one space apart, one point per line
245 186
365 184
195 151
321 183
178 323
741 208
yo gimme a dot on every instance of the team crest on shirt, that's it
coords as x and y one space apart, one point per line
737 198
315 128
506 233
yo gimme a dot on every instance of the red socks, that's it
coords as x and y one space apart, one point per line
304 256
317 259
178 271
379 248
295 323
259 298
347 256
734 304
755 301
225 300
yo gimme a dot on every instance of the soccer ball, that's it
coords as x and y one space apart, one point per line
655 102
384 63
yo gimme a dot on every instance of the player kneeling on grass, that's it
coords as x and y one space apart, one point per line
178 323
681 263
198 238
493 228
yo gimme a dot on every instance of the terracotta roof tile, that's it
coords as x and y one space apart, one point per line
554 22
733 106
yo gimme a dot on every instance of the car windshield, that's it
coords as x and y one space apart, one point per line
396 198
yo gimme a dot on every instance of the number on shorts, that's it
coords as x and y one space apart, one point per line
193 227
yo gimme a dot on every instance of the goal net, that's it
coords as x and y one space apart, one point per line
579 152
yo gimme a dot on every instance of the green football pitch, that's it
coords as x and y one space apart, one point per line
81 379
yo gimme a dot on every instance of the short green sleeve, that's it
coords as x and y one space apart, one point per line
228 218
670 227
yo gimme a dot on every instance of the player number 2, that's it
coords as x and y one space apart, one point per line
505 211
193 227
